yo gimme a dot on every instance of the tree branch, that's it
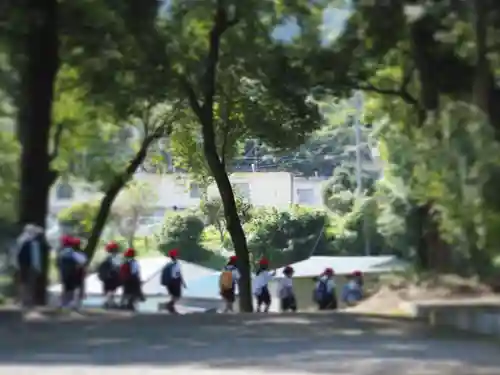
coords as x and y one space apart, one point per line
57 142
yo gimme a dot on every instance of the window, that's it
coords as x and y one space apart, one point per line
194 190
64 191
305 196
243 189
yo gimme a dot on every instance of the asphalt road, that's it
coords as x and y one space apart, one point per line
207 344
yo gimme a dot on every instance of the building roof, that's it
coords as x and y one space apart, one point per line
344 265
150 273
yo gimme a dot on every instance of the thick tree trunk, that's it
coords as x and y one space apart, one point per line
217 167
233 224
112 192
38 75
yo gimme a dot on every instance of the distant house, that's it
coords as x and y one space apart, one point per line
307 270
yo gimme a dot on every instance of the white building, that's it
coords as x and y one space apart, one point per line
278 189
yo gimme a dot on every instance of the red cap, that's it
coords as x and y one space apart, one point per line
129 253
112 246
233 258
174 253
329 271
263 262
66 240
75 241
357 273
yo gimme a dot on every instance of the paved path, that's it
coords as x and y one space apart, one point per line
206 344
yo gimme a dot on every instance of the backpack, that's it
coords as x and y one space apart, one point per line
24 255
319 291
125 271
68 266
106 270
226 280
166 274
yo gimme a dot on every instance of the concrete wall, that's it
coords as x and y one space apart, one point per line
472 316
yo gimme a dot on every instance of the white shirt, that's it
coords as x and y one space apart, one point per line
176 270
234 271
285 287
261 280
79 258
36 262
329 282
135 269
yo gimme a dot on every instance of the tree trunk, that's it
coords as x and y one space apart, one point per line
111 193
215 163
38 75
233 225
422 253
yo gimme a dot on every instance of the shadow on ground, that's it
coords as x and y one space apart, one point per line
302 343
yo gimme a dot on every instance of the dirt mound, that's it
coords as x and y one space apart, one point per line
393 291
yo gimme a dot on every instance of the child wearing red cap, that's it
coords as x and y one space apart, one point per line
81 272
324 291
109 274
172 280
261 285
352 291
130 277
286 293
228 280
71 264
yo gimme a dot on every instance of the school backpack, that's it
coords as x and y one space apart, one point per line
24 255
319 291
226 280
68 266
166 274
106 270
125 271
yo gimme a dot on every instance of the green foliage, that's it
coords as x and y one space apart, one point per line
287 236
79 218
184 232
212 211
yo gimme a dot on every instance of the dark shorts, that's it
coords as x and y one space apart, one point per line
132 287
174 289
264 298
288 304
328 303
70 284
110 285
228 295
26 276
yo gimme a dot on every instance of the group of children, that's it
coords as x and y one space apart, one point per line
122 270
324 293
116 270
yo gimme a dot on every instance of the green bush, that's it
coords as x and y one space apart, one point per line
184 232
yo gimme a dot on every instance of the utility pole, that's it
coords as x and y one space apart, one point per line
358 102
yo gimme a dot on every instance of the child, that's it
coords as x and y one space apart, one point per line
352 292
81 271
261 282
324 291
70 264
109 274
229 277
285 291
130 277
171 278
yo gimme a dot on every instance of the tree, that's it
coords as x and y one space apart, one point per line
184 231
288 236
132 204
212 210
262 91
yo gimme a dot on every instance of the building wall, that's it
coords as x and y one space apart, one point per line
278 189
